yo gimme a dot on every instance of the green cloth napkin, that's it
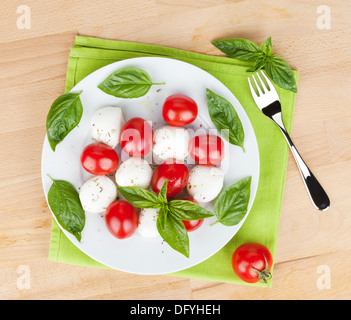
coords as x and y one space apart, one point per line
89 54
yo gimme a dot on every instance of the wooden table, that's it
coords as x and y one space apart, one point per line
314 249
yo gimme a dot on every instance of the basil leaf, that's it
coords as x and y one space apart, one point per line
162 195
139 197
162 217
127 83
276 68
64 202
241 49
266 47
173 231
224 117
259 64
231 205
187 210
64 115
280 73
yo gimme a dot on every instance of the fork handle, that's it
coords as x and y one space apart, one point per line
317 194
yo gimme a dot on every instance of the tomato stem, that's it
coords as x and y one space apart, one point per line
263 274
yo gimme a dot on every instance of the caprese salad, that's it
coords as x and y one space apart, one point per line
171 146
165 197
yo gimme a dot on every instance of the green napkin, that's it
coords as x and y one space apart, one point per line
89 54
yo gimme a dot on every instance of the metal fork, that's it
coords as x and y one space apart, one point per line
267 100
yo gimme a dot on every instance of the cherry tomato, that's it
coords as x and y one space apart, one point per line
99 159
121 219
137 137
252 262
177 175
192 224
207 149
179 110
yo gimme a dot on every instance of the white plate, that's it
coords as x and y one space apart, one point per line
138 254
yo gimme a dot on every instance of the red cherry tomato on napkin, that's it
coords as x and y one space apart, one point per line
252 262
121 219
179 110
99 159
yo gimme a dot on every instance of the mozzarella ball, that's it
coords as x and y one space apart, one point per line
147 223
97 194
205 183
135 172
171 142
106 124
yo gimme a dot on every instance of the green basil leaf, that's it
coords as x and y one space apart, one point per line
139 197
64 115
231 205
64 202
187 210
266 47
259 64
127 83
224 117
162 217
280 73
241 49
173 231
276 68
162 195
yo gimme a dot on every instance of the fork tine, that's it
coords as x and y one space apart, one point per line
264 87
269 83
253 92
260 92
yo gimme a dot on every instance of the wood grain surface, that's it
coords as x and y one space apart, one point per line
33 65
